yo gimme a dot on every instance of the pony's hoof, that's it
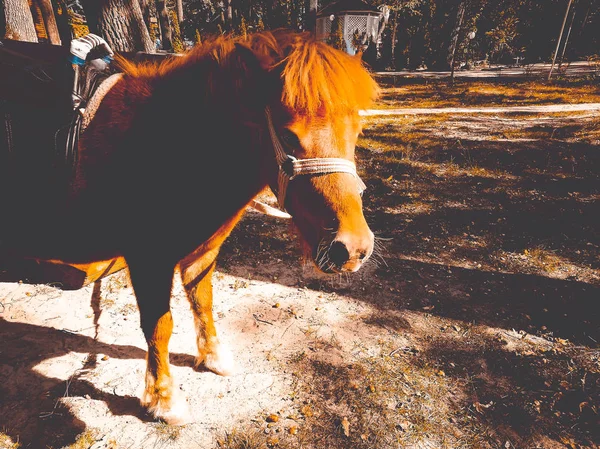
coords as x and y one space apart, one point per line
174 411
219 361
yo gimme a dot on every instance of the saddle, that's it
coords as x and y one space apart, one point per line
43 88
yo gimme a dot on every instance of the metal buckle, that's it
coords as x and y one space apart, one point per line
287 166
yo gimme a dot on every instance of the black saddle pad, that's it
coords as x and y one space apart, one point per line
36 74
36 82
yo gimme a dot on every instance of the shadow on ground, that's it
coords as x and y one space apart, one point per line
30 410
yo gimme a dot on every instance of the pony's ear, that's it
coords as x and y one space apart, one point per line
247 60
255 82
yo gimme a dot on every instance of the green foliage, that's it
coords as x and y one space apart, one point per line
178 46
336 38
153 31
359 40
420 31
242 29
198 39
502 37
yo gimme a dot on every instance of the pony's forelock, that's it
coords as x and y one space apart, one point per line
320 80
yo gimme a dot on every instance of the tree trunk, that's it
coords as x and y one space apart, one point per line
179 4
562 28
310 20
459 20
562 56
165 25
393 44
121 24
38 21
229 16
145 7
49 21
19 24
62 22
93 11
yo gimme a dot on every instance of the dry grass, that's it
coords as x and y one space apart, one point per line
386 401
389 400
117 282
84 440
543 259
487 93
7 443
165 432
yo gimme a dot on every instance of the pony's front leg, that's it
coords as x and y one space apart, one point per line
196 275
152 283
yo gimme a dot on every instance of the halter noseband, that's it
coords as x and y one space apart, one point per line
291 167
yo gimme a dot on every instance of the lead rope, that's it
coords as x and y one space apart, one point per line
291 167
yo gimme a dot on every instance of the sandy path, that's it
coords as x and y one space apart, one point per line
73 361
486 110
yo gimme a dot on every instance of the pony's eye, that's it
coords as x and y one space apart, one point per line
290 139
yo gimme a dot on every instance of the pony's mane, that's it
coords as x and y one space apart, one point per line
316 78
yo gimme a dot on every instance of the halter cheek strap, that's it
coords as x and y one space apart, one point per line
291 167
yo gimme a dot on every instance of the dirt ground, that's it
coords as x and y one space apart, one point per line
476 324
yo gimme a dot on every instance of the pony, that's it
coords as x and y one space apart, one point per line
176 151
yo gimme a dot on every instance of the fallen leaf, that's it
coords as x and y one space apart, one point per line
307 411
346 426
272 441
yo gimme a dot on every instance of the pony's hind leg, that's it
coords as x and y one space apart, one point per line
196 275
152 282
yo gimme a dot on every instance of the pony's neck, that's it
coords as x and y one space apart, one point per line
218 133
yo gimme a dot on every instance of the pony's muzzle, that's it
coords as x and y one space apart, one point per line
348 253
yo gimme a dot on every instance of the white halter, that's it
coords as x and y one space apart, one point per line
291 167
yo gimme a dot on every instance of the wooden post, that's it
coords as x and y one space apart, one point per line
562 56
562 28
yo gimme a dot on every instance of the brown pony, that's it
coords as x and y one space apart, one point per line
175 153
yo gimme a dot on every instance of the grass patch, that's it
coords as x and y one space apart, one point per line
252 438
385 401
7 443
543 259
84 440
487 93
166 432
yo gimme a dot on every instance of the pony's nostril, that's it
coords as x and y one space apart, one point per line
338 253
362 255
